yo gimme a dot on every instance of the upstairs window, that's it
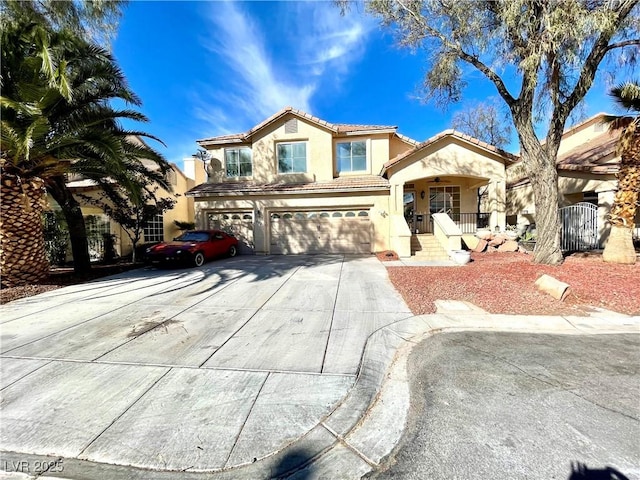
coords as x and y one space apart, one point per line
292 157
352 156
238 162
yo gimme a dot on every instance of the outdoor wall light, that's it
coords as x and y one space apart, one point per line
422 194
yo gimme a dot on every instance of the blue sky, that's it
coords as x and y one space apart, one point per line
211 68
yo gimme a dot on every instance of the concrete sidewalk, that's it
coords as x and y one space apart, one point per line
248 368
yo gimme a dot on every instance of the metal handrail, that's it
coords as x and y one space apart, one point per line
467 222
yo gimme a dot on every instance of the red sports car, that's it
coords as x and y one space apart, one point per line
194 247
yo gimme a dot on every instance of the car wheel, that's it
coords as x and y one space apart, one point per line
198 259
233 251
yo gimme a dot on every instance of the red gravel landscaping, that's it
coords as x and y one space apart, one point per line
504 283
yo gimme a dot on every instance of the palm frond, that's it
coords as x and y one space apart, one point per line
627 95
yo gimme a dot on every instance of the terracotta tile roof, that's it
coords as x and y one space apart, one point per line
336 128
345 128
342 184
406 139
450 133
598 156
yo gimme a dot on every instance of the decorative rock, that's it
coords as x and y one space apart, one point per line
552 286
481 246
497 240
509 246
471 242
483 233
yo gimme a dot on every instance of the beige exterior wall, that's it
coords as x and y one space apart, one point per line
581 134
194 169
321 153
263 150
570 188
398 146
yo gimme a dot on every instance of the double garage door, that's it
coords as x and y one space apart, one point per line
326 231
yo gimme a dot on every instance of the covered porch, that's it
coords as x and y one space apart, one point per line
454 178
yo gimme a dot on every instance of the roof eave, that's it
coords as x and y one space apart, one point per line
288 192
368 132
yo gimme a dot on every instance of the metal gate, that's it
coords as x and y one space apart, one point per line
579 227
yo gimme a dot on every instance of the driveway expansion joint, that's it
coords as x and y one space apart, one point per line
118 417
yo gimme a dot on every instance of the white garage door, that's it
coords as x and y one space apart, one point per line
240 224
326 231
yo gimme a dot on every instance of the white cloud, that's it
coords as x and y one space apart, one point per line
256 70
335 41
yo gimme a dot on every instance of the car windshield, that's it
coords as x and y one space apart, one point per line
193 237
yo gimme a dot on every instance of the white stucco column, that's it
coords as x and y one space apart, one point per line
497 205
199 215
260 223
605 201
399 234
397 199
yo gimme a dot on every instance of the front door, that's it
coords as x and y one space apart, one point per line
410 209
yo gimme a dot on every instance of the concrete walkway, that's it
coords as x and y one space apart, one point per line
247 368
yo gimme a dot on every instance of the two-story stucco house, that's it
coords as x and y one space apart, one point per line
297 184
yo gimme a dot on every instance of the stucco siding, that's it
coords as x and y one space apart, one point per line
264 158
581 134
448 159
397 147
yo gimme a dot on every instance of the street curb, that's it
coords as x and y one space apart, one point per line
368 423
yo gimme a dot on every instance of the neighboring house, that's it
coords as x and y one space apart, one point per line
161 228
587 164
298 184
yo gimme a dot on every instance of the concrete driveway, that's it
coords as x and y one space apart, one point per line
187 370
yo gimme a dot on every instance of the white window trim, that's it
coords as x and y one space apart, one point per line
291 142
156 229
224 156
459 187
368 156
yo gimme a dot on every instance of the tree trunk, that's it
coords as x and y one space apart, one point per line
23 258
619 247
541 170
70 207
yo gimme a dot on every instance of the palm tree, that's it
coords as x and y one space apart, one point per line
56 119
619 247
